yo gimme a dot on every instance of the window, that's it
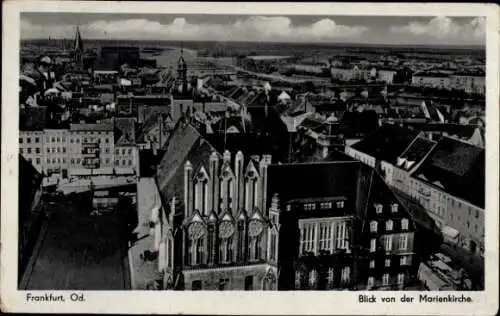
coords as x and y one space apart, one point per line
72 161
388 243
273 246
403 261
388 225
372 264
123 162
226 250
28 140
78 140
196 285
342 236
346 274
130 151
401 278
326 205
385 279
106 140
58 139
394 208
48 161
340 204
37 139
309 206
29 150
123 151
371 281
64 149
312 278
378 208
107 150
107 160
78 160
477 214
325 236
37 161
37 150
249 283
53 160
403 242
468 224
58 149
373 226
117 162
387 262
373 245
117 151
64 160
404 224
20 140
53 139
200 249
130 162
71 140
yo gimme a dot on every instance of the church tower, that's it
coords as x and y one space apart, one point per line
182 74
78 49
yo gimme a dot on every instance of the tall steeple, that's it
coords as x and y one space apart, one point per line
182 73
78 49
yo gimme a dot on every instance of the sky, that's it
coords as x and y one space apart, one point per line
438 30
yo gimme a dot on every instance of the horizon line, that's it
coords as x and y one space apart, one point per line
462 46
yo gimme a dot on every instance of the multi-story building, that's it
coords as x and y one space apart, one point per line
218 233
431 79
83 160
386 75
126 150
344 228
450 183
436 174
470 82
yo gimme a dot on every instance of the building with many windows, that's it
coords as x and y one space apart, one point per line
344 228
214 227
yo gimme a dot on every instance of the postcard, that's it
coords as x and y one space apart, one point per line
250 158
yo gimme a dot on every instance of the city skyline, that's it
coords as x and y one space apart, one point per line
452 31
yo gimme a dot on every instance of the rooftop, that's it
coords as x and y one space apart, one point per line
455 167
100 127
387 142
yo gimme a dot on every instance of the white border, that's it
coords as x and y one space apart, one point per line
485 303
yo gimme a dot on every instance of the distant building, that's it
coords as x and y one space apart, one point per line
431 80
386 75
470 82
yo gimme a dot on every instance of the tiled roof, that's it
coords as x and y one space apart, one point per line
313 180
91 127
456 167
387 142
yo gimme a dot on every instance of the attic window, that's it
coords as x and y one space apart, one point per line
309 206
378 208
340 204
394 208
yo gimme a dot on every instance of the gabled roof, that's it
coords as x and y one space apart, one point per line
387 142
458 167
33 118
125 130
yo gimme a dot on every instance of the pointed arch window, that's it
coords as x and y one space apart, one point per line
201 192
251 188
227 189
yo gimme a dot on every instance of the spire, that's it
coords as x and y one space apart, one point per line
78 44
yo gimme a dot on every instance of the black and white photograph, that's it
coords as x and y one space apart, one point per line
251 152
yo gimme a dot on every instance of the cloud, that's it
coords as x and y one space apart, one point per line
442 27
254 28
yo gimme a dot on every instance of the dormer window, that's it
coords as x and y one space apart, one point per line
378 208
326 205
394 208
404 224
289 207
388 225
373 226
309 206
340 204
